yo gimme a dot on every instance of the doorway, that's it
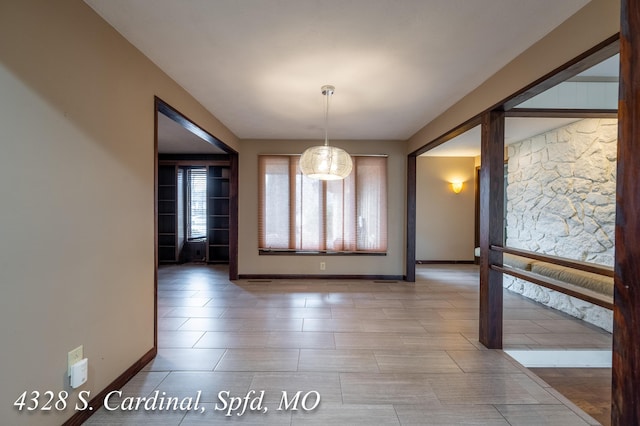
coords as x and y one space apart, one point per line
196 193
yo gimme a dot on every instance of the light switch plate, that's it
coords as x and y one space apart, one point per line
74 357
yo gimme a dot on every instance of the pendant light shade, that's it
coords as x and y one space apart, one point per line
326 162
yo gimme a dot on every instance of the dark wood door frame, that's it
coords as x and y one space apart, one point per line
625 408
491 228
591 57
625 397
184 121
161 106
410 256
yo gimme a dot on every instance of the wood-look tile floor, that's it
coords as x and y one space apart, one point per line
588 388
377 353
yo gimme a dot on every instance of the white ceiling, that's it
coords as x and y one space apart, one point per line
258 65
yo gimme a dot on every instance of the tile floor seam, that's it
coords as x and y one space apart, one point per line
495 407
395 410
199 338
220 359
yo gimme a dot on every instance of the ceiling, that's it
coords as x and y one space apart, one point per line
258 65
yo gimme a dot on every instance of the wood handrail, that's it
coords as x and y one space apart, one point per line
555 260
569 289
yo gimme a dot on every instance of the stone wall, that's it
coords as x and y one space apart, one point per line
561 189
560 200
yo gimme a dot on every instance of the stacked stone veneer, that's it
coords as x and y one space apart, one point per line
560 200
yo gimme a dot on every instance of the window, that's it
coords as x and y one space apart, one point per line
298 214
196 203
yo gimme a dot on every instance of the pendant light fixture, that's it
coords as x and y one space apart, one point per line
326 162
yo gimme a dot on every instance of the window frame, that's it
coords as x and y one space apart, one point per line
188 216
323 219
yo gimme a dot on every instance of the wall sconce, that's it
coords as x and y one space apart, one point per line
456 186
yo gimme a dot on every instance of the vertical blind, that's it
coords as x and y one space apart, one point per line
297 213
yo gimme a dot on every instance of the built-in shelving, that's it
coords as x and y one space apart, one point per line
167 214
172 187
218 214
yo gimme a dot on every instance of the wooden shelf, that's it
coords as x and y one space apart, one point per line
218 214
171 210
167 218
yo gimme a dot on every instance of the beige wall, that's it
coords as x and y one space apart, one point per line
252 263
445 220
76 198
594 23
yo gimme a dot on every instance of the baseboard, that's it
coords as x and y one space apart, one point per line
446 262
319 277
97 401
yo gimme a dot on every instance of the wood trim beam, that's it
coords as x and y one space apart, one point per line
593 79
190 125
491 228
561 113
410 266
593 268
559 286
155 224
464 127
233 216
595 55
194 163
476 209
625 402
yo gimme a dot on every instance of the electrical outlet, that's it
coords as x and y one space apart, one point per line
323 266
73 357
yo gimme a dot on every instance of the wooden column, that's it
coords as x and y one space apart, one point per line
233 216
410 268
625 401
491 227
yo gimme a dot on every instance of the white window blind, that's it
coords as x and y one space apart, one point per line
301 214
196 202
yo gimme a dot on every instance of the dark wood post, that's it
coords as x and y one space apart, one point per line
625 401
491 227
411 220
233 216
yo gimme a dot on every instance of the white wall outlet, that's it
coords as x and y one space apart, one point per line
74 357
323 266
